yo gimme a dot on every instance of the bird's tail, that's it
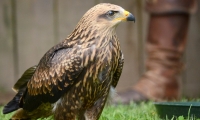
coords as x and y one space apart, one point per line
20 88
13 104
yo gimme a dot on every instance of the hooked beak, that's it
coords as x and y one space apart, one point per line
129 16
126 16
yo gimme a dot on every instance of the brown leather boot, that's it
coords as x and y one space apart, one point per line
165 46
168 27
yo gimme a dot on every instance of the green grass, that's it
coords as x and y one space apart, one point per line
143 111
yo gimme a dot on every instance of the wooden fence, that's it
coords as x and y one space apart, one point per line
28 28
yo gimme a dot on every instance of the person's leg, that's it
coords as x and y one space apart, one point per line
167 35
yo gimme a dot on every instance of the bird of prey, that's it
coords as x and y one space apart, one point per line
73 79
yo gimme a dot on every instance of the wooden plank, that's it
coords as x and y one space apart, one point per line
42 23
35 28
192 68
6 47
69 13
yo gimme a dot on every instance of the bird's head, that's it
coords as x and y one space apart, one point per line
103 16
107 15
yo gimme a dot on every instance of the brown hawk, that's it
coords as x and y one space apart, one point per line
73 79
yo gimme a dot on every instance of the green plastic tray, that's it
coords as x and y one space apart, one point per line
171 109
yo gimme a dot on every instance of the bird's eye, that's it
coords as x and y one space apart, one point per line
110 13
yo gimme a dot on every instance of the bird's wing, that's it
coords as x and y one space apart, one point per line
22 82
118 71
55 74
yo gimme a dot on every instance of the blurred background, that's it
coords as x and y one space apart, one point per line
28 28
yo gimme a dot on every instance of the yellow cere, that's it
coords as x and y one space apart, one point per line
126 13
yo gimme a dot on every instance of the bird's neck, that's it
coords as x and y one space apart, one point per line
89 36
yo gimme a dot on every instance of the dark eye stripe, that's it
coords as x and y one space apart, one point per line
106 15
111 13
